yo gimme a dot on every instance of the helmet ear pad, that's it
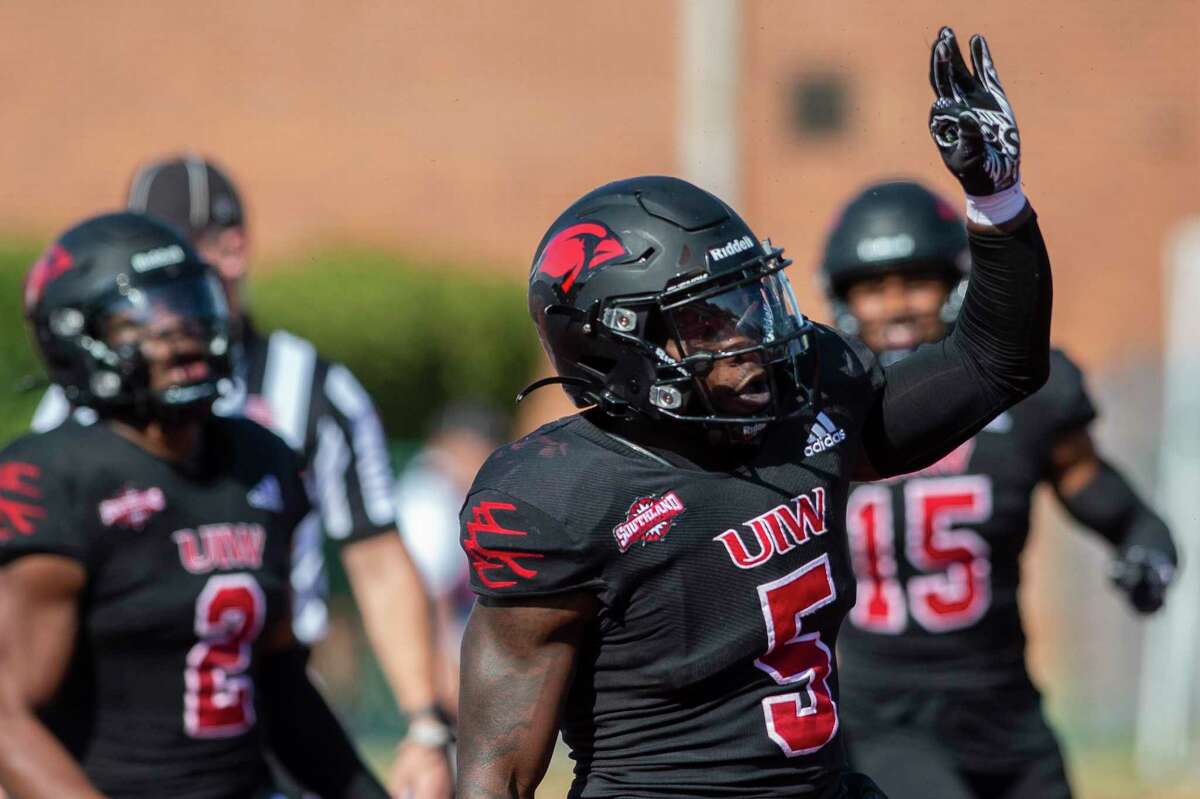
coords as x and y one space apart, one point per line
619 372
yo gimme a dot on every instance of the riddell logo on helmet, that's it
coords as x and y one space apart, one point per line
156 259
732 248
648 519
882 248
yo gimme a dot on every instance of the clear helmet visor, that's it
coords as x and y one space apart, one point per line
177 329
760 314
736 343
191 307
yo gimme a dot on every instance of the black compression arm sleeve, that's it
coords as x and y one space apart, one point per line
998 353
303 732
1109 505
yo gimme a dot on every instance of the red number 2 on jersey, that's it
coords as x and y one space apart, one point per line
955 590
218 700
803 721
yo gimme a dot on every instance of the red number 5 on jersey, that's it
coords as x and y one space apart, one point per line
803 721
218 700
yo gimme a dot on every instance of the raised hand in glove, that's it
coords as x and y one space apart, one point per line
974 128
1144 573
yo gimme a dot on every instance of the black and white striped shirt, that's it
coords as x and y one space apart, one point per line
326 416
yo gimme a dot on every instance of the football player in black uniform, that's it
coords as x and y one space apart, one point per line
282 382
663 576
937 700
145 637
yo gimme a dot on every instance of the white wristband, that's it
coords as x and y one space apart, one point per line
996 208
428 732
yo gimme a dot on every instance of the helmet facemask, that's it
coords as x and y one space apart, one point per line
157 349
654 297
721 350
894 227
952 281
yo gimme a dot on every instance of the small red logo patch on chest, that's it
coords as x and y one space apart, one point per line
648 519
131 508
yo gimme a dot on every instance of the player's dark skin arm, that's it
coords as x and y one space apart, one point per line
1074 463
301 729
38 621
517 665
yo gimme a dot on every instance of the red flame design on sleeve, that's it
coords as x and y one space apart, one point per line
484 560
16 516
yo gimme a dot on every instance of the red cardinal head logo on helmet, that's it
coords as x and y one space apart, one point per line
53 263
587 245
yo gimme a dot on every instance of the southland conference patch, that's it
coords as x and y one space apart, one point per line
648 519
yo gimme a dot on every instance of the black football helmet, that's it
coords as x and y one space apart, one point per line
895 226
640 262
130 272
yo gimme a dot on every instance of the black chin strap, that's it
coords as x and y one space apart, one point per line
593 393
554 380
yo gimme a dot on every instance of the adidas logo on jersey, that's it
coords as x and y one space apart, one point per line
267 495
823 435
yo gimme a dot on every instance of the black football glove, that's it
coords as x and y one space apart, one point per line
1144 574
971 120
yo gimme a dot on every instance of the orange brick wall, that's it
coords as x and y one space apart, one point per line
459 129
1109 110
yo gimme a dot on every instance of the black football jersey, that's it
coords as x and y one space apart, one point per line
187 566
321 410
711 671
937 553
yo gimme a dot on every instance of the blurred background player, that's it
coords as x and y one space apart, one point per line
321 410
429 494
937 699
145 628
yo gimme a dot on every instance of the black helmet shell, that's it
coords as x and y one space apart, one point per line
87 266
890 226
609 269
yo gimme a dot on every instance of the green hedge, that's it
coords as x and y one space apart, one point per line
416 335
18 365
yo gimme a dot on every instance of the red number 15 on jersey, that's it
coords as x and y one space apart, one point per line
954 589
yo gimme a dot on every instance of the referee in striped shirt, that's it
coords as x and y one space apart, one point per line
319 408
